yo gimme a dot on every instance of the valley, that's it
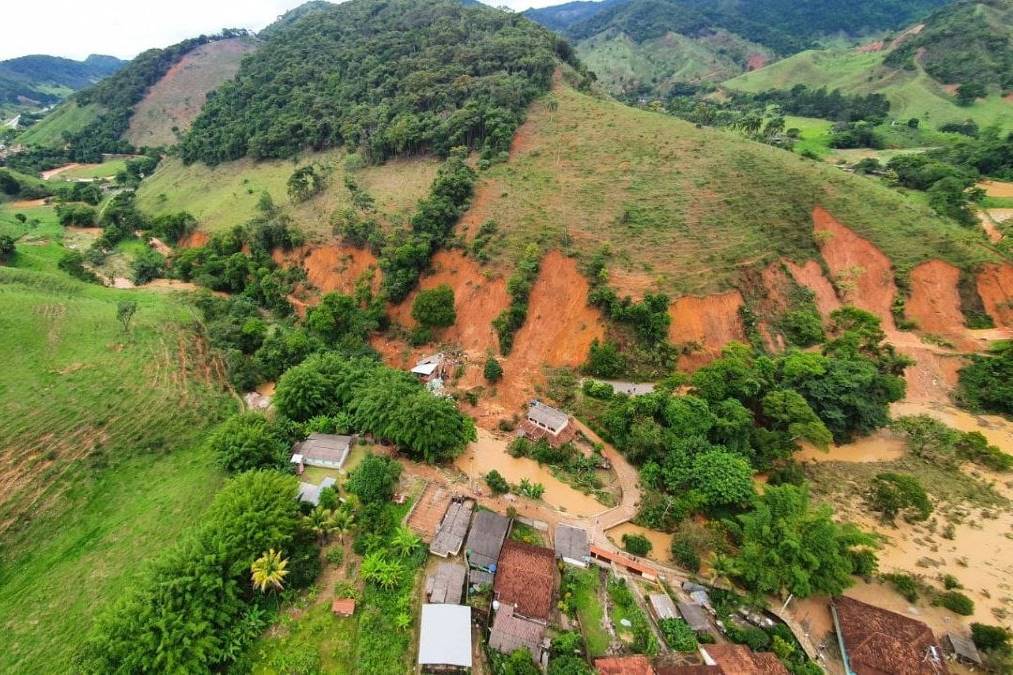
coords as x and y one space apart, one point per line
300 325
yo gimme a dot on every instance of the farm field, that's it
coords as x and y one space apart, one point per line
101 465
226 195
815 134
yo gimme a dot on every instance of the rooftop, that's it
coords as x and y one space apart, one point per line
571 542
741 660
663 606
547 416
428 365
511 632
343 606
488 531
526 578
963 648
310 493
446 585
329 448
624 665
695 615
445 636
880 641
450 536
427 513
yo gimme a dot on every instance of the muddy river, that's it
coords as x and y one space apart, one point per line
490 452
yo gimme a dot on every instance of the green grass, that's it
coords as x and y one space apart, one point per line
100 436
69 117
226 195
107 169
315 641
688 208
911 93
526 534
815 136
589 610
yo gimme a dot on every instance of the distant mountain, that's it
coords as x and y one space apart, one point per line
646 46
41 80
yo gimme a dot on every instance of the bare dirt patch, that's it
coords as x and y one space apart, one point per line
997 188
811 276
51 173
935 301
756 61
194 240
338 267
27 203
995 286
989 226
705 324
860 270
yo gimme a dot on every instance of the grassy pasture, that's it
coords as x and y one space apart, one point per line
69 116
100 432
107 169
226 195
687 208
815 136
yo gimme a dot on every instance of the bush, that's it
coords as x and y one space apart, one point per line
374 480
637 544
987 383
434 308
248 441
497 483
685 554
905 584
602 391
7 247
956 602
72 262
803 327
990 638
493 371
893 494
678 635
604 360
147 265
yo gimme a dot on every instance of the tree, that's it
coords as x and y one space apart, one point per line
404 542
568 664
519 663
340 321
637 544
893 494
7 247
678 635
497 483
302 393
320 522
434 308
147 265
723 478
269 570
125 310
493 371
787 546
374 479
343 523
304 183
247 441
786 410
969 91
990 638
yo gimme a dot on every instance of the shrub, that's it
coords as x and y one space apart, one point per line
803 327
247 441
604 360
685 554
147 265
7 247
893 494
493 371
497 483
434 308
637 544
956 602
374 480
678 635
72 262
987 383
600 390
990 638
905 584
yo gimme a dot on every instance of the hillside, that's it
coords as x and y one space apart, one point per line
645 46
918 71
38 80
171 104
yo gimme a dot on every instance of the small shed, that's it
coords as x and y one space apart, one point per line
431 367
662 606
343 606
445 636
450 536
695 615
963 648
310 493
324 450
571 545
446 585
485 540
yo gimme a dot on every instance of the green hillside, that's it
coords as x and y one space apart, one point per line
911 93
99 431
31 82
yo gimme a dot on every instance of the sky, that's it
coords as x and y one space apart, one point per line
123 28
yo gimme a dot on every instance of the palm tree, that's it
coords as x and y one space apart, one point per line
344 523
321 522
404 542
269 571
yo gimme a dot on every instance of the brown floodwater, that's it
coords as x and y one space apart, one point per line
997 430
490 452
881 446
661 542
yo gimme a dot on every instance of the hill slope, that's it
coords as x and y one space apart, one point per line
919 70
38 80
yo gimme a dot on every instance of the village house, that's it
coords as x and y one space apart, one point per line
511 632
432 367
571 545
962 648
624 665
450 535
446 585
310 493
445 638
734 659
485 540
328 451
874 640
526 579
545 422
662 606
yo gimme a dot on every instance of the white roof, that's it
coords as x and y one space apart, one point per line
297 458
445 637
425 368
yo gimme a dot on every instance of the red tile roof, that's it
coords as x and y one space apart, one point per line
880 641
624 665
343 606
741 660
526 578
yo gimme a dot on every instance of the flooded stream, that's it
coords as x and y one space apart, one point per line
490 452
661 542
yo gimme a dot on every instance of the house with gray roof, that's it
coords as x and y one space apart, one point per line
328 451
571 545
310 493
543 422
511 632
445 637
662 606
450 536
695 615
446 585
488 532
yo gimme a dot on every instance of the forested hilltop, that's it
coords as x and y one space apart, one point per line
48 79
394 78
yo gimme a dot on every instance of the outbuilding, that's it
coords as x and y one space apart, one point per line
572 546
445 637
328 451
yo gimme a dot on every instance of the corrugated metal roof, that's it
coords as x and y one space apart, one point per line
445 636
547 416
488 531
571 542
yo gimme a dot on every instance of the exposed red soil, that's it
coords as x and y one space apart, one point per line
755 61
935 301
334 267
934 375
50 173
477 301
27 203
875 46
194 240
775 302
998 188
993 233
707 323
995 286
811 276
861 270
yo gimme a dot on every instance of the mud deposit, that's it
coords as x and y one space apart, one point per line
881 446
995 286
661 542
704 325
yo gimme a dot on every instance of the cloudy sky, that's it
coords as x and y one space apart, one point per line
76 28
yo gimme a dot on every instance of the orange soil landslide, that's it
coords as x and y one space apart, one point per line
995 286
194 240
811 276
935 301
860 268
708 322
997 188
